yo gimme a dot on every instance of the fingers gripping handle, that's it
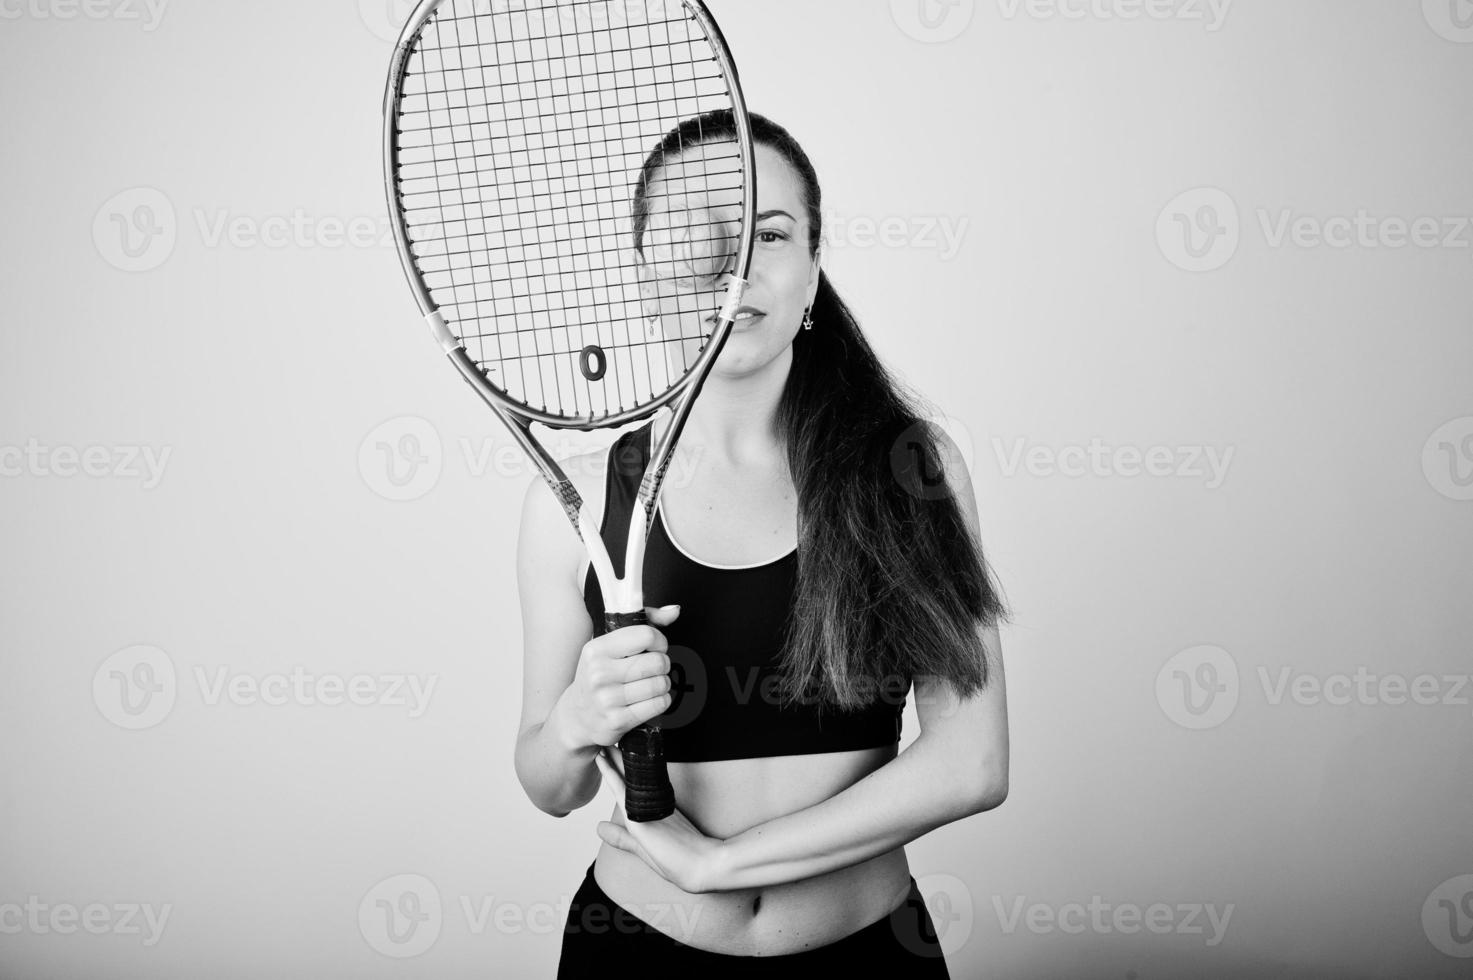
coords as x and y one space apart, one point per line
648 793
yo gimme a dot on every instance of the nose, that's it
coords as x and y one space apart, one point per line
729 282
728 276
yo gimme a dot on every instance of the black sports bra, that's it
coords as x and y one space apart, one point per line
726 646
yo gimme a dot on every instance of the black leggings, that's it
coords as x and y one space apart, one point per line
602 939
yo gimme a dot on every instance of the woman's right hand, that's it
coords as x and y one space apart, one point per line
622 681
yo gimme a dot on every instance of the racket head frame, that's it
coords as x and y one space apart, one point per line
620 595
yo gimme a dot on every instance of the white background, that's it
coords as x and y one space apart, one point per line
1069 142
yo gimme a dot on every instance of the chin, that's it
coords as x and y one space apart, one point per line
746 354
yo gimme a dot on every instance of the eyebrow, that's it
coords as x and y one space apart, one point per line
776 214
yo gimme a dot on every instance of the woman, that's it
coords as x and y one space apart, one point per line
818 555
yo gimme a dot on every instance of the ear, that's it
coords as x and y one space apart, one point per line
647 293
813 277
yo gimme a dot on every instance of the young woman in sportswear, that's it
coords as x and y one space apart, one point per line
814 559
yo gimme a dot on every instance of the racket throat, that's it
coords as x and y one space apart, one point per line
627 594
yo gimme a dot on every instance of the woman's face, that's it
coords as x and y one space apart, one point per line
782 280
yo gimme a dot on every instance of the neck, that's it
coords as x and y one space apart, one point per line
735 418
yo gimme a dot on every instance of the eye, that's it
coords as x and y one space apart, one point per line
771 236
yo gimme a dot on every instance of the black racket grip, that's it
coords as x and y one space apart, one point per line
648 794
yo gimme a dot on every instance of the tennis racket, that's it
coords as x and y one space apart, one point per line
578 257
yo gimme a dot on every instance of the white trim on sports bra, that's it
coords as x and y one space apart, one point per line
665 525
660 518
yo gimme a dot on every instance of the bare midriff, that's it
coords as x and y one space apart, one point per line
727 797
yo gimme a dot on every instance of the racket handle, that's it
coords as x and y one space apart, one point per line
648 794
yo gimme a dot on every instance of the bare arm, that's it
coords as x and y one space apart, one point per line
579 694
554 765
957 767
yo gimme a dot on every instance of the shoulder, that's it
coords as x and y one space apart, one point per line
925 444
953 461
547 538
588 472
955 469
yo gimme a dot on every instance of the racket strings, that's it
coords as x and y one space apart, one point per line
521 137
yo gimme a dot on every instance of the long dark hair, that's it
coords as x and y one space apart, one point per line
891 582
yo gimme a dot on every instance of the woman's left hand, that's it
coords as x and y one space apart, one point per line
673 847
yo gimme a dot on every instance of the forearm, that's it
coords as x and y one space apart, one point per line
907 798
555 768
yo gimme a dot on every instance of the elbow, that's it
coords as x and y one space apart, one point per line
990 790
537 793
540 798
992 796
553 808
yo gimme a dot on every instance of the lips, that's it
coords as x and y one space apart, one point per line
744 315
